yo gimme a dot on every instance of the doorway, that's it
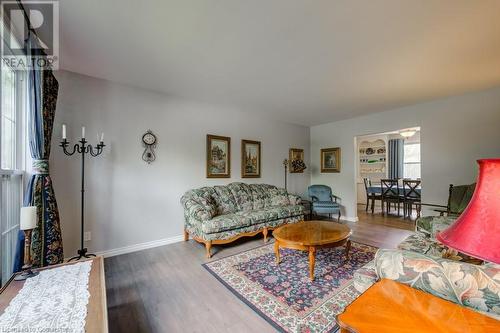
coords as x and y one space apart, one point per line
395 156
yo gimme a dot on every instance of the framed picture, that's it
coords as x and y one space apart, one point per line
218 156
296 160
330 160
250 159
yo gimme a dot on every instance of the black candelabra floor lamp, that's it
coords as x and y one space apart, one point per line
82 148
285 164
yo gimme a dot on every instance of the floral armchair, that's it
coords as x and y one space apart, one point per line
474 286
423 263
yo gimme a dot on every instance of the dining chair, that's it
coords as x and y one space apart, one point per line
411 196
371 194
390 194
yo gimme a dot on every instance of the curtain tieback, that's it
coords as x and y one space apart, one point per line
41 167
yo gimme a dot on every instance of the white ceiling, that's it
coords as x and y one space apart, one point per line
303 61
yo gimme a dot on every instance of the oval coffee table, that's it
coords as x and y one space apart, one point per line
309 236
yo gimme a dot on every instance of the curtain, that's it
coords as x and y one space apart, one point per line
396 158
46 240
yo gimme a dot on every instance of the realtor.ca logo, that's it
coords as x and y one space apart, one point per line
41 50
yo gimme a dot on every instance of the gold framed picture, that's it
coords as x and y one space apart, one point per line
296 160
218 156
330 159
250 159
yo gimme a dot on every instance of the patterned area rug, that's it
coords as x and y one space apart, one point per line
283 294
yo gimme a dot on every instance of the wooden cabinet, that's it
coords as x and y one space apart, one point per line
97 315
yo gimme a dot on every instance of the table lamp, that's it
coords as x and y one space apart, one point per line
27 224
477 231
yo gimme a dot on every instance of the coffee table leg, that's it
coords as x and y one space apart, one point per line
277 251
312 260
347 248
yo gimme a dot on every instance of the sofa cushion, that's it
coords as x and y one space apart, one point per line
473 286
224 200
272 213
260 195
290 210
207 201
242 195
279 197
225 222
260 215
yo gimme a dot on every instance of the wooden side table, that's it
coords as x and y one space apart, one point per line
97 311
307 204
392 307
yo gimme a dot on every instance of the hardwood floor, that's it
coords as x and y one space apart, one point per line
165 289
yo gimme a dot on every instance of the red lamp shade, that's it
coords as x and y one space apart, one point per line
477 231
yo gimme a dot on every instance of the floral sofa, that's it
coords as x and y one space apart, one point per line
222 214
423 263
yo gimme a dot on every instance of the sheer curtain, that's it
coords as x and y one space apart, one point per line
12 143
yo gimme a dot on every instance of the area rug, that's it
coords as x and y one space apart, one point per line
283 294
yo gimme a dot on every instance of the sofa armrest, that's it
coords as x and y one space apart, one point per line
195 211
472 286
431 225
294 199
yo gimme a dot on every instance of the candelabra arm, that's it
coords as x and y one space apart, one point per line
99 150
64 144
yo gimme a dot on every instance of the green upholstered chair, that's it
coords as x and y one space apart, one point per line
458 199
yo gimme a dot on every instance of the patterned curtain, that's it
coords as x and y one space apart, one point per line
396 158
46 241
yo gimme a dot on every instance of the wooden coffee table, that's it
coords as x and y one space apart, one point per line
309 236
392 307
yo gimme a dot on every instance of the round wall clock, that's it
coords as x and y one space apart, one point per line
149 141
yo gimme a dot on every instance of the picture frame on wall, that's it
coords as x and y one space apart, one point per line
330 159
296 160
218 156
250 159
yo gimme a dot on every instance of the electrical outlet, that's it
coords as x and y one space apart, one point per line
87 236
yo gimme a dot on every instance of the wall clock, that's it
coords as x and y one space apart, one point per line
149 141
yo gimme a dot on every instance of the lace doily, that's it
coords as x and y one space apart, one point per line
53 301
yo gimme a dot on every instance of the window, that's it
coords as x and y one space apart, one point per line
412 160
12 143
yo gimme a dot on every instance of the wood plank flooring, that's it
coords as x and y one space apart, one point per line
165 289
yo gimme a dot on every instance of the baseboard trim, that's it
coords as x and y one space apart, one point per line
141 246
350 218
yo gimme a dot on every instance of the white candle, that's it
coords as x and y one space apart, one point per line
64 132
83 132
28 218
102 137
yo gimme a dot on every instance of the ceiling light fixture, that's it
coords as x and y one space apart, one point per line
407 133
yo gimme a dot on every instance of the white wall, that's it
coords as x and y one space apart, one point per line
454 133
129 201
